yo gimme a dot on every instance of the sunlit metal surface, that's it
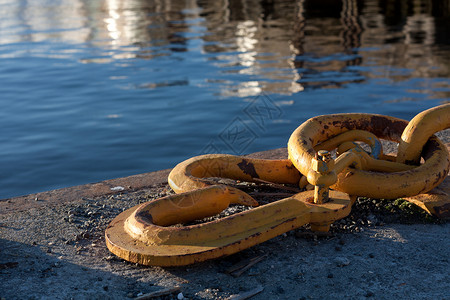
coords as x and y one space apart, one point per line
145 234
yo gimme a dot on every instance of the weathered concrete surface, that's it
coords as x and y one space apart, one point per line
76 193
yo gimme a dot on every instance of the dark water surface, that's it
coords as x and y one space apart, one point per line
93 90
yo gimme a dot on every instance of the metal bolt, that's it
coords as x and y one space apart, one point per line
323 167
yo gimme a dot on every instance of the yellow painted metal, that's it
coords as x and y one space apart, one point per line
134 236
148 234
354 135
367 162
188 175
419 130
436 201
363 182
144 234
322 175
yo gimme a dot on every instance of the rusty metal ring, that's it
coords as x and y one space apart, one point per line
367 183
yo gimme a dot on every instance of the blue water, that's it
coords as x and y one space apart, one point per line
94 90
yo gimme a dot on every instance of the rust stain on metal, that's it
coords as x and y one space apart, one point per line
248 168
383 126
145 216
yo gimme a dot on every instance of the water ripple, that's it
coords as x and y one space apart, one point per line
92 90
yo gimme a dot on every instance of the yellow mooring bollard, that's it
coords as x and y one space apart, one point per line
144 234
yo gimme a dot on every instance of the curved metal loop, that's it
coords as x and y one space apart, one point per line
368 162
367 183
353 136
419 130
190 175
134 236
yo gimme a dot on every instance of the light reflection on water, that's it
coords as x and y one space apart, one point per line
92 90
